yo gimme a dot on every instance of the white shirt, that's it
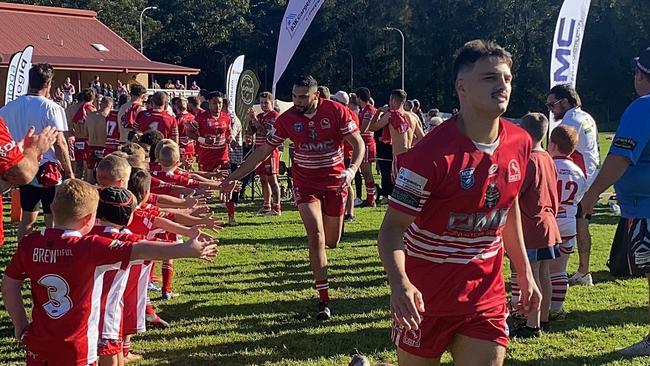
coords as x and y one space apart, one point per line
587 148
37 111
572 185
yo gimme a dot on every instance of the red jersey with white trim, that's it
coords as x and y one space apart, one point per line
159 121
318 143
175 178
160 187
115 283
112 131
267 120
82 112
460 197
571 186
10 153
66 272
366 113
128 118
347 148
214 134
184 119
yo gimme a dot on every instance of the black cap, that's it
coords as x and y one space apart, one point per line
643 61
116 205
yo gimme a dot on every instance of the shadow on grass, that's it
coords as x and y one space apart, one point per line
600 359
637 315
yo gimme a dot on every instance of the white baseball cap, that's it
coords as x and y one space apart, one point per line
341 97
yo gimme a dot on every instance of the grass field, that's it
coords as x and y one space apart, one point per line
254 305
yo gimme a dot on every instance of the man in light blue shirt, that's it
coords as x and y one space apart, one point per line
627 166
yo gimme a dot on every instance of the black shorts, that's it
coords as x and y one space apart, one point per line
31 195
639 248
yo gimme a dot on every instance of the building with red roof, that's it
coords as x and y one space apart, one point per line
77 45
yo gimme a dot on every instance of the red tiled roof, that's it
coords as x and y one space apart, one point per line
63 37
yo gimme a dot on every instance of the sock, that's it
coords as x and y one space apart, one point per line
370 190
322 286
266 207
560 286
149 308
514 289
230 207
167 275
277 207
126 347
152 273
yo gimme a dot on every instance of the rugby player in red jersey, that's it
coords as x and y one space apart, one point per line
261 125
187 145
317 128
128 112
157 118
77 115
211 129
452 213
365 115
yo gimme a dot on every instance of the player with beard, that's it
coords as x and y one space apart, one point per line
317 128
452 213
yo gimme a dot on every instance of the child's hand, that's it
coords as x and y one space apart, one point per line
203 248
201 211
213 223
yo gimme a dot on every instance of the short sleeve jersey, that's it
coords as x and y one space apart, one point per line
176 179
34 110
460 197
587 155
632 140
112 131
571 186
267 120
10 153
184 119
318 142
159 121
214 132
539 202
66 274
347 148
366 113
130 114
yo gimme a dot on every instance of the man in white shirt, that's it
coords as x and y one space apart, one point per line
35 109
564 102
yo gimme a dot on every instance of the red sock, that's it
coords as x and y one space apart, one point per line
126 347
167 276
560 286
370 190
277 207
322 286
152 273
149 308
230 207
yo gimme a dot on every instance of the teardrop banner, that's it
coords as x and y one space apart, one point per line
247 89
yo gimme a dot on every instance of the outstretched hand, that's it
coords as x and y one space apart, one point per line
202 247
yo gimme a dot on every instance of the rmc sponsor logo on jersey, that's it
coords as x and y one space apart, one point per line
567 44
327 145
478 221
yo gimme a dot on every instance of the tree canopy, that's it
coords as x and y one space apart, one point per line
200 33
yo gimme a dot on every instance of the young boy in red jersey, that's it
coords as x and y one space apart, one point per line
571 187
168 156
63 264
539 205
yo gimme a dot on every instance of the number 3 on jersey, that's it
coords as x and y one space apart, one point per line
567 191
57 291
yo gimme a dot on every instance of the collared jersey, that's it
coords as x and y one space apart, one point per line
318 142
66 273
159 121
460 197
571 186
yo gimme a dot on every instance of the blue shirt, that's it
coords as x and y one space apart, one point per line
632 140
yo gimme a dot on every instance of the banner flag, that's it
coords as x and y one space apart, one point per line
247 89
297 18
18 74
567 42
234 71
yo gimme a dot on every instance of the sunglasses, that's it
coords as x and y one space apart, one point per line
551 105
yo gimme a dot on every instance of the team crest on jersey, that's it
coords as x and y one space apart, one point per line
467 178
298 127
514 172
493 169
492 196
313 134
325 123
311 124
412 337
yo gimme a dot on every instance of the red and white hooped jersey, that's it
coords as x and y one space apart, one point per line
215 130
112 131
460 197
347 148
318 142
82 112
571 186
366 113
267 120
159 121
66 273
184 120
115 284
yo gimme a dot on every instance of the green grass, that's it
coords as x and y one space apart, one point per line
254 305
